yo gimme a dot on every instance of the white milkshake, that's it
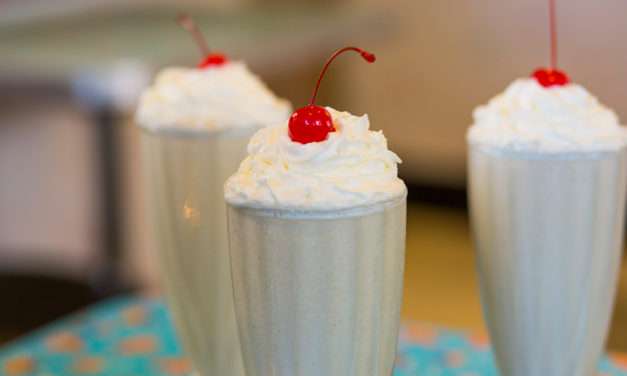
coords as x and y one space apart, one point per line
195 127
547 192
317 239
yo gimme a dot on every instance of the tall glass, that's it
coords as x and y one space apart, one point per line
318 293
548 230
186 172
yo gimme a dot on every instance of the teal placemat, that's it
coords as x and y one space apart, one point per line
132 336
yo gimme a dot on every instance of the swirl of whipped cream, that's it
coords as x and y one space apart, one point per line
529 117
352 168
228 96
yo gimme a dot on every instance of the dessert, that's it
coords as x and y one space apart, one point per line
317 240
195 125
547 185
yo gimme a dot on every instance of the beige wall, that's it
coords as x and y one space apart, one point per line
451 55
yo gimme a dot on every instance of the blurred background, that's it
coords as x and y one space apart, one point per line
72 216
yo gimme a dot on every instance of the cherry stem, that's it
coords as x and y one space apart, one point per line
553 31
189 25
369 57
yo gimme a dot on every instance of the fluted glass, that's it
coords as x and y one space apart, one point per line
186 173
318 293
548 232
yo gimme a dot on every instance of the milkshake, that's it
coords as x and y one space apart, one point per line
316 222
547 182
195 124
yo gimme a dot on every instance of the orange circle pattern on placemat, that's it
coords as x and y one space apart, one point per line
64 341
89 365
19 365
142 344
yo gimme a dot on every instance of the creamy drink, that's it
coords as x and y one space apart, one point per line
317 239
317 236
547 181
195 127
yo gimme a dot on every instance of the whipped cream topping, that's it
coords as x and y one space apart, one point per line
227 96
529 117
352 167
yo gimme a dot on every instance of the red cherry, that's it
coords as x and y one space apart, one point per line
551 77
314 123
213 60
310 124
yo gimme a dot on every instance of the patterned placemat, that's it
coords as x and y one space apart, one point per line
132 336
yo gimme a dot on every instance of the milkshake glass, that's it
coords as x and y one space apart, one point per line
195 127
317 241
547 192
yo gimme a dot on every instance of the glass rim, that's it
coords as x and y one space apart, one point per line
189 132
355 211
545 155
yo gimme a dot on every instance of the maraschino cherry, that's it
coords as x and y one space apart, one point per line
314 123
210 59
552 76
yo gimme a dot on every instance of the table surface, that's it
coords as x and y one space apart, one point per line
132 336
